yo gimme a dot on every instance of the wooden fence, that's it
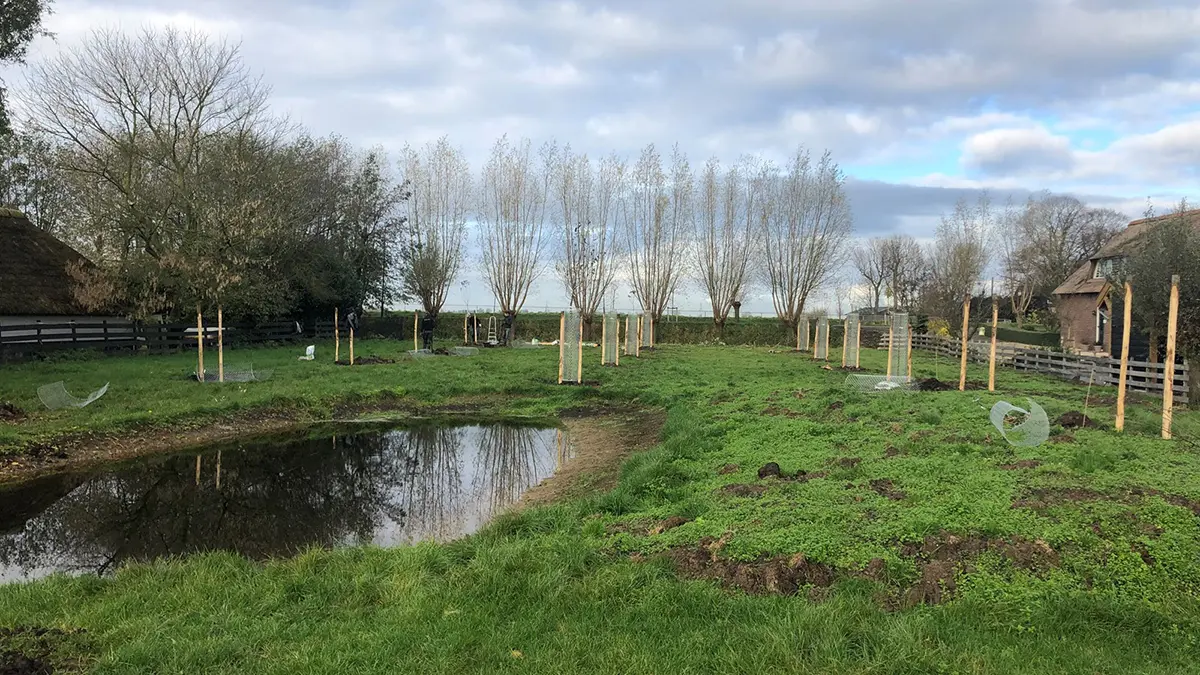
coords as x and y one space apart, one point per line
20 341
1142 376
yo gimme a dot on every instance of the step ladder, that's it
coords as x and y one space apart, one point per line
492 330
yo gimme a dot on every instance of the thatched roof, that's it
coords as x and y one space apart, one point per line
33 269
1081 280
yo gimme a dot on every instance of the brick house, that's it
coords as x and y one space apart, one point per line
1083 303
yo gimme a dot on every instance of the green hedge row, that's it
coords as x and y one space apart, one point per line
1025 337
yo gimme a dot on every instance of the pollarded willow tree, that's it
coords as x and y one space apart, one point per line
512 209
725 231
583 200
657 216
439 189
806 225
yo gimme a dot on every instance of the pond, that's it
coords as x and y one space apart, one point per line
276 497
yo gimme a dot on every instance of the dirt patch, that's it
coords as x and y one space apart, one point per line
1039 499
742 490
933 384
1140 549
669 524
728 469
600 444
803 476
1022 464
776 411
846 462
10 412
769 470
836 405
1062 438
777 575
1076 420
942 558
885 488
891 452
366 361
854 369
28 650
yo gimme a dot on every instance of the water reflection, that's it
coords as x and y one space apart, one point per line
274 499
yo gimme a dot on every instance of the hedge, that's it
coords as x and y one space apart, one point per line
1025 337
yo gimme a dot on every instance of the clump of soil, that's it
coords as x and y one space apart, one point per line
728 469
932 384
886 488
743 490
1022 464
366 361
1062 438
1040 499
847 462
668 524
27 650
891 452
1075 420
836 405
768 470
10 412
777 575
855 369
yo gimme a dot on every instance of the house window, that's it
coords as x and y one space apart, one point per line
1105 267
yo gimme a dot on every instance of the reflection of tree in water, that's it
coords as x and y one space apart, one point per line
511 460
431 489
272 501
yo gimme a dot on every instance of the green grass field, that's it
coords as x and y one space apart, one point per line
916 540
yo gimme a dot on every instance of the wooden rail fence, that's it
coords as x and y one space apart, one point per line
1142 376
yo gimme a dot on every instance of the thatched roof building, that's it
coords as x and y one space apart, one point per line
33 270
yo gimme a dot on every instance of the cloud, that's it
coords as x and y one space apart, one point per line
1095 97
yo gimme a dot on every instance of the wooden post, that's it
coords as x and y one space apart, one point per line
579 362
562 335
891 344
617 324
1120 423
352 345
337 337
416 346
197 469
603 340
858 344
465 316
1169 361
220 345
641 320
218 469
845 341
909 347
200 347
797 334
992 357
962 369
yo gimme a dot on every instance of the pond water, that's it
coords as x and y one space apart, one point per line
274 498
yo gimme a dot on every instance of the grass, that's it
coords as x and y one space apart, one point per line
579 586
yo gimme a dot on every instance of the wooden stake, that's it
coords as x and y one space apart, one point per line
962 369
352 345
1120 423
891 344
337 338
858 344
579 361
641 321
465 317
197 469
416 346
1169 362
845 342
200 346
218 469
617 356
562 338
604 341
220 346
992 358
909 347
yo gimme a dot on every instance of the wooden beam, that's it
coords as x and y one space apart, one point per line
337 337
909 347
416 345
579 348
858 343
891 343
220 346
562 339
992 357
199 349
962 370
1122 382
845 341
352 345
1169 362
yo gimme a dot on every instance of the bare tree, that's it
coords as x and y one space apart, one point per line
806 227
725 236
1057 233
870 260
957 260
31 181
1018 271
905 270
583 208
657 215
513 193
438 182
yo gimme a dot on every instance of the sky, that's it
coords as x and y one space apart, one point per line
922 102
